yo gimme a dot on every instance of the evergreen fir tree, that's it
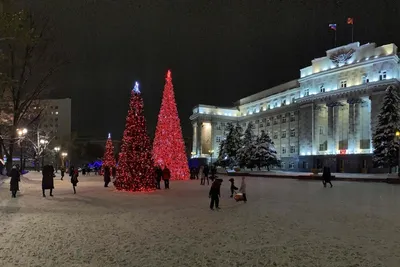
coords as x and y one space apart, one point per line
246 154
265 154
386 144
233 142
135 170
168 146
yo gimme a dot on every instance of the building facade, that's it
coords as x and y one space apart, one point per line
324 118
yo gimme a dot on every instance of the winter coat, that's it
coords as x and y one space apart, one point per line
159 174
166 174
243 187
47 177
107 175
71 171
326 175
215 189
74 178
206 170
233 187
15 178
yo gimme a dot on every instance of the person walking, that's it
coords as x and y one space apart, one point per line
166 177
71 170
233 187
159 176
326 176
242 189
107 176
214 194
14 182
201 174
47 179
74 180
114 172
206 171
62 169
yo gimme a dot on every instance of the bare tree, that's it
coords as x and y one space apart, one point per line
25 70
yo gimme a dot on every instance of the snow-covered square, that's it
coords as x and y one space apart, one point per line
284 223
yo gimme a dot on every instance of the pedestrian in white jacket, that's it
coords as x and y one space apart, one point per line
242 189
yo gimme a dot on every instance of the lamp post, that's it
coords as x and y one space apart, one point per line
43 142
398 153
57 150
193 153
63 155
21 134
211 154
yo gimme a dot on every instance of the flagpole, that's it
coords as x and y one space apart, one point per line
352 32
335 38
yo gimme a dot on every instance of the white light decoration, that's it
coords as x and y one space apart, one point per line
309 153
109 135
367 58
136 88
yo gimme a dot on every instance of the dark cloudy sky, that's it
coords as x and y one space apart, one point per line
219 51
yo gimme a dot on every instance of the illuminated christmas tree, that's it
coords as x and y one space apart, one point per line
108 158
168 146
135 170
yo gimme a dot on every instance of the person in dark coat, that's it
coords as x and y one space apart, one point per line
206 171
166 177
214 194
47 179
62 169
14 182
326 176
233 187
71 170
159 176
196 172
107 176
74 180
213 173
114 172
83 171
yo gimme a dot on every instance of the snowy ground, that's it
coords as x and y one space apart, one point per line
285 223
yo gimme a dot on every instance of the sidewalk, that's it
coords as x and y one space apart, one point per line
351 177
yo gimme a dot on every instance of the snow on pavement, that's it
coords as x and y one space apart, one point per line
285 223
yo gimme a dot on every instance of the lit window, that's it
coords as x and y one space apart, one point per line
283 150
292 149
56 112
292 117
365 79
283 135
292 133
382 75
306 92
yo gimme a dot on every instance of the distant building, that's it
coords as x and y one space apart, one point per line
324 118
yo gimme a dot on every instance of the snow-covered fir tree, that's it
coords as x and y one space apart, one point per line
386 144
246 154
231 144
265 154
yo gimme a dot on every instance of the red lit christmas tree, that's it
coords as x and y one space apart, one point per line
108 158
168 146
135 170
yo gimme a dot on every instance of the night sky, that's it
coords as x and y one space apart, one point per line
219 51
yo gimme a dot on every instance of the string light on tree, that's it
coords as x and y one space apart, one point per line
168 146
135 170
108 158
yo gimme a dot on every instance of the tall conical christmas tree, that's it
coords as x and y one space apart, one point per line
168 146
108 158
135 171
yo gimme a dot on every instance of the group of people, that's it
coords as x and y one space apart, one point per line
215 192
203 172
162 174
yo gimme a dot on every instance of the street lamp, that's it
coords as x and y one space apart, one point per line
56 149
43 142
193 154
21 134
398 153
63 155
211 154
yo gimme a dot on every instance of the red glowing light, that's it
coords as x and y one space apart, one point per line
135 170
168 146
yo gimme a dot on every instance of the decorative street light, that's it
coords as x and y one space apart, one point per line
43 142
63 155
211 154
21 134
57 150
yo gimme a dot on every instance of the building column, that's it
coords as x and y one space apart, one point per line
333 125
195 138
318 109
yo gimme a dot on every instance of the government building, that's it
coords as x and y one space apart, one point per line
324 118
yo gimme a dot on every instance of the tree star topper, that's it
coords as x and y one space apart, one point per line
136 88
